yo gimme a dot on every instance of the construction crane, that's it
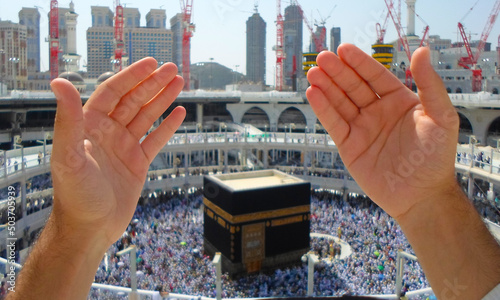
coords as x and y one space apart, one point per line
383 53
470 61
189 28
119 43
54 39
319 40
381 29
498 55
280 54
403 39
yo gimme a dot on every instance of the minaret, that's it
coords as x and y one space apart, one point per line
71 58
411 17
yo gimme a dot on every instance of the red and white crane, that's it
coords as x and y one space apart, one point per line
319 41
119 41
187 11
54 39
470 61
280 54
396 18
402 39
382 29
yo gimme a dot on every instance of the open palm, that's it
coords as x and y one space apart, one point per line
396 144
99 164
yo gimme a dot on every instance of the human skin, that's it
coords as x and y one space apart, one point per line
99 166
400 148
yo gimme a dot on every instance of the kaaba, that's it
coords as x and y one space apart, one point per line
257 220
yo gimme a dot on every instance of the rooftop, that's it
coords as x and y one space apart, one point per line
256 179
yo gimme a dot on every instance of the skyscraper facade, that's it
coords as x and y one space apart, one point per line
102 16
156 18
132 17
317 36
139 41
30 17
13 55
292 44
177 28
256 49
335 39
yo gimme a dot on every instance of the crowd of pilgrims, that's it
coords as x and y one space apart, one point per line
167 229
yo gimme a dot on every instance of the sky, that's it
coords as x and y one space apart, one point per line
221 24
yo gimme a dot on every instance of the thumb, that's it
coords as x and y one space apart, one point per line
431 90
68 148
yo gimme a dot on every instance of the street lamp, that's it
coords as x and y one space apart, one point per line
235 79
211 72
292 126
265 133
66 61
15 61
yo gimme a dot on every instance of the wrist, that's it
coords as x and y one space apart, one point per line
77 236
63 261
452 243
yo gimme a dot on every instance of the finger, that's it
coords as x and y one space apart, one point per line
132 102
335 96
346 79
152 110
68 125
109 93
381 80
431 89
333 122
156 140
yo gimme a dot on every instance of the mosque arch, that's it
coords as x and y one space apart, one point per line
292 115
257 117
493 133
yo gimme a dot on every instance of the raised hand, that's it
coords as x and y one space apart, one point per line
398 146
98 163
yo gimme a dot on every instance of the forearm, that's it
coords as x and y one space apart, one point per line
62 264
459 256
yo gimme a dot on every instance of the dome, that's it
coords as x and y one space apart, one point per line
104 77
72 77
76 79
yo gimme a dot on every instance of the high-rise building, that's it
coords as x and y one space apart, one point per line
139 42
154 42
100 50
317 35
102 16
335 39
30 17
256 49
177 28
132 17
156 18
13 55
292 36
